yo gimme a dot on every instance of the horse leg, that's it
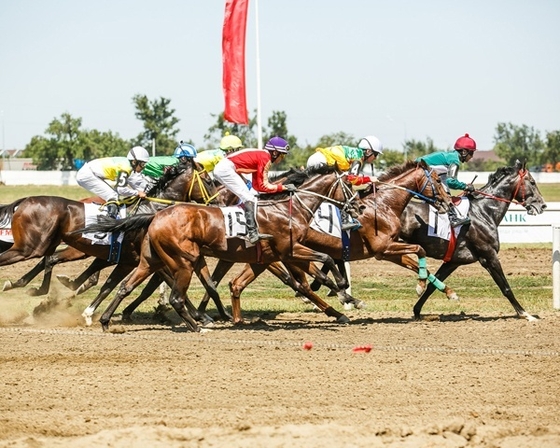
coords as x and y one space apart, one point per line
148 290
26 278
444 271
87 278
316 284
238 284
221 269
298 271
493 266
207 280
114 278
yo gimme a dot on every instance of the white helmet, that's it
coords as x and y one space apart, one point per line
371 143
138 153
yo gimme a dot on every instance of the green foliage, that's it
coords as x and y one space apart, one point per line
518 143
552 152
246 133
159 124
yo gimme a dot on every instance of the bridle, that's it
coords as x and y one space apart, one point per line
520 186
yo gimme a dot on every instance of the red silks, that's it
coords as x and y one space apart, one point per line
233 59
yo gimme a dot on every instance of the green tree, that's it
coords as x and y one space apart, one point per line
56 151
159 124
415 148
551 153
222 127
518 143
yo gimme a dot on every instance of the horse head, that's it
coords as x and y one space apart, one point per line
419 180
187 182
516 184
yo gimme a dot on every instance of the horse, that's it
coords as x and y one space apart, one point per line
203 233
480 240
477 242
39 237
381 206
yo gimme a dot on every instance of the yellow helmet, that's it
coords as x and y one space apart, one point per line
230 143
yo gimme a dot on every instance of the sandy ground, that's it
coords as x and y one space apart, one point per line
463 380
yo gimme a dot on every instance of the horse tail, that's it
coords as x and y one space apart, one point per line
7 211
109 225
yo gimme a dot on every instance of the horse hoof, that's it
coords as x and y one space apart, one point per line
360 305
7 286
343 320
349 306
34 292
419 290
453 296
65 280
89 320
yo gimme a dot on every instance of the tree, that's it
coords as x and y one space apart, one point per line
415 148
159 124
222 127
551 154
518 143
57 151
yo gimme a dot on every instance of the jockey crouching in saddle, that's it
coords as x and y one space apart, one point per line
96 174
446 165
350 159
257 162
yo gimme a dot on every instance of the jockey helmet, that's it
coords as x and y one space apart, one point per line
230 143
139 154
371 144
277 144
465 142
184 150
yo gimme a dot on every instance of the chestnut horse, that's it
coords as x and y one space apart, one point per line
381 208
41 223
179 237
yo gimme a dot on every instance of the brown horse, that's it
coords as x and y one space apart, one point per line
381 209
41 223
179 237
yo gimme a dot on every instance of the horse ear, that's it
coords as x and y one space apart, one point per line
518 164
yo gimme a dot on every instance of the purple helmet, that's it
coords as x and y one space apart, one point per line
277 144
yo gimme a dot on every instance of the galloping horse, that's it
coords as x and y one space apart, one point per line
480 240
179 237
41 223
381 209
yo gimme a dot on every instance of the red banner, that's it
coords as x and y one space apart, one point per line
233 59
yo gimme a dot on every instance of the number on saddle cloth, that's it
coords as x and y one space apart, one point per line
234 221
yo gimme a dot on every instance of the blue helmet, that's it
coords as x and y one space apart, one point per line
185 150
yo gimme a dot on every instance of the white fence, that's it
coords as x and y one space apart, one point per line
517 226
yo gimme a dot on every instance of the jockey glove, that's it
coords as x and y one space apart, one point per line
469 188
289 187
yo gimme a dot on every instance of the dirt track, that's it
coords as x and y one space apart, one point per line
479 380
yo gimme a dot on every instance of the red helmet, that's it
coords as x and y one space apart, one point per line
465 142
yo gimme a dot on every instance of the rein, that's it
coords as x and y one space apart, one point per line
203 190
418 194
520 185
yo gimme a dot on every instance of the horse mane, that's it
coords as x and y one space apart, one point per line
395 170
500 174
171 173
298 177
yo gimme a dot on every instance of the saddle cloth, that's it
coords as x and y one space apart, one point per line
91 212
438 224
326 220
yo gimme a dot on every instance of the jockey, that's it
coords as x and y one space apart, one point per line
257 162
95 175
210 158
446 165
351 159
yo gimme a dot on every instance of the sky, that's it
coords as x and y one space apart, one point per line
396 69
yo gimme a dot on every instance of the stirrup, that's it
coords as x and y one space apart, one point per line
460 222
259 236
350 226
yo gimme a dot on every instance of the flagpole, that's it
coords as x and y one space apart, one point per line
259 125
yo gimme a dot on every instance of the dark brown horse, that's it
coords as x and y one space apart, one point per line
480 240
179 237
41 223
381 209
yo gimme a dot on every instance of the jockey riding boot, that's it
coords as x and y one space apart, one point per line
347 222
455 220
112 210
253 234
